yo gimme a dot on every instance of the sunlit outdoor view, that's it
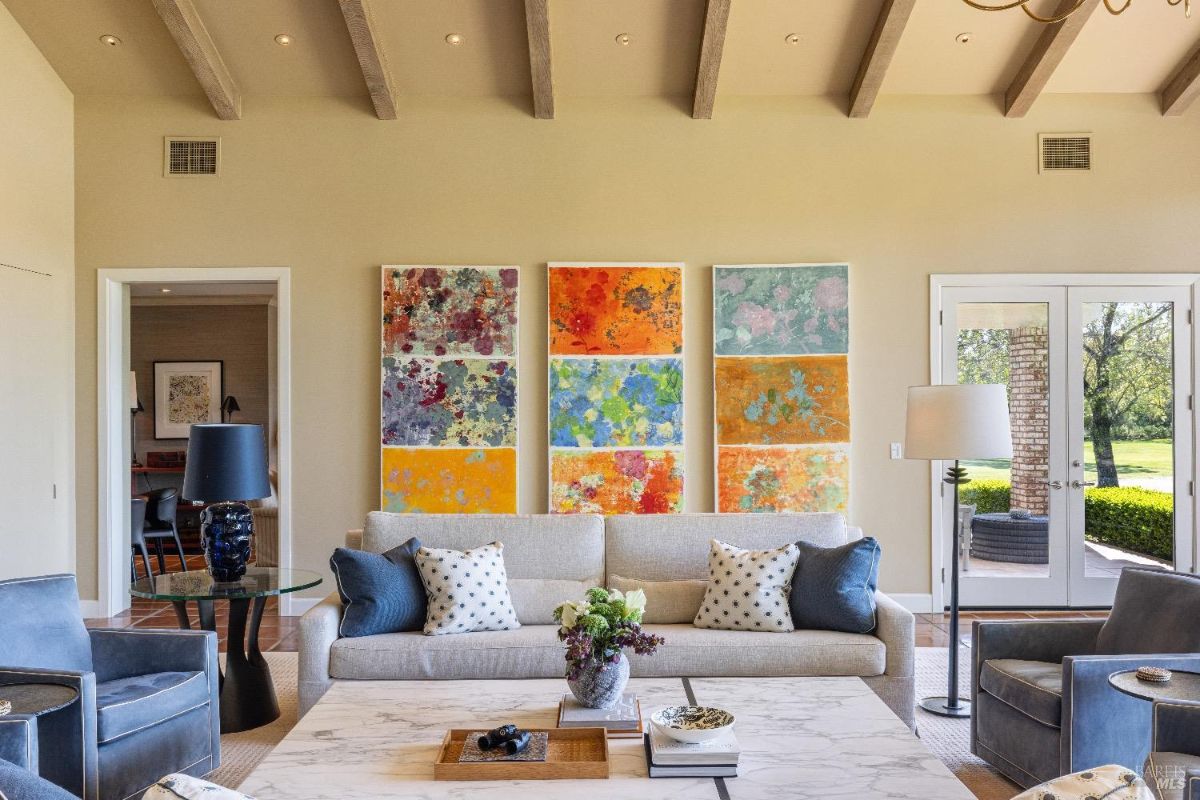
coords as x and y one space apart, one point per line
1127 453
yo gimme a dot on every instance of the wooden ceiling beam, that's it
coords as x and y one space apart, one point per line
1183 87
371 60
712 48
1047 54
889 27
202 55
537 26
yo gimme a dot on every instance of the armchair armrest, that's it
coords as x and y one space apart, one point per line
72 730
18 740
1097 720
1034 640
318 632
1176 728
895 626
134 651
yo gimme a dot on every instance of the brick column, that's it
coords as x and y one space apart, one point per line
1028 357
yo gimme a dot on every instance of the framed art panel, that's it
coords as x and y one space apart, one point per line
781 353
186 393
615 388
448 389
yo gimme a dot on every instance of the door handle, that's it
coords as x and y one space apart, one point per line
1081 484
1054 484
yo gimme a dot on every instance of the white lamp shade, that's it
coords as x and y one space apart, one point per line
957 422
133 400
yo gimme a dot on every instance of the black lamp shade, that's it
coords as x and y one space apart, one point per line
230 404
226 462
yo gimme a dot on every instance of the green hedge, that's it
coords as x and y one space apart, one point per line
1141 520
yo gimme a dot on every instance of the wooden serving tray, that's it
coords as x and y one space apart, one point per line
571 753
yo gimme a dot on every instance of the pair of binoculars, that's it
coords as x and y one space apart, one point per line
507 737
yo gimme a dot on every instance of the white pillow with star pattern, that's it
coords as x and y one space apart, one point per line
748 590
467 590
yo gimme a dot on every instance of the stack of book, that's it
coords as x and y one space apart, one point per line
667 758
622 721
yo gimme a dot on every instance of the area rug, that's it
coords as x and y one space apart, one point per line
950 739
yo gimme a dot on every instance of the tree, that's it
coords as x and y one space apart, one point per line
983 355
1127 369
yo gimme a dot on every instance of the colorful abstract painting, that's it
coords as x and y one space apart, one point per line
442 480
465 402
615 388
781 337
781 310
616 402
775 479
616 310
449 311
448 390
782 400
616 482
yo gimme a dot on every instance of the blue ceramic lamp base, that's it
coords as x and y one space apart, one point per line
226 530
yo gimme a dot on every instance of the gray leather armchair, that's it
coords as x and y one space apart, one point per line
1173 768
148 699
1043 706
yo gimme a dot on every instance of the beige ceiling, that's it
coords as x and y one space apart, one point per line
1132 53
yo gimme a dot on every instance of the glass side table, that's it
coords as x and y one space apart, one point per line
247 693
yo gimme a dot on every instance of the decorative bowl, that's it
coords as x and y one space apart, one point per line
692 724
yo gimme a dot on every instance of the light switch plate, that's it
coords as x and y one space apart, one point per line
897 450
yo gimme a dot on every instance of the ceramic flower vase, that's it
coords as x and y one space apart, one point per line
597 688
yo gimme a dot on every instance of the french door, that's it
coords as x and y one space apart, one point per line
1100 384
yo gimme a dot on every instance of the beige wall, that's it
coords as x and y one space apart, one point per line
925 185
233 334
37 238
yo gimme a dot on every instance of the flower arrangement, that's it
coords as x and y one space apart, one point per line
600 628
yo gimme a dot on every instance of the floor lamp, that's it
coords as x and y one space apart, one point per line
949 423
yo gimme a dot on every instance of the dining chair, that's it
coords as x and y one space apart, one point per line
161 525
137 539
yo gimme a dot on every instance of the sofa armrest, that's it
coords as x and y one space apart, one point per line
18 740
318 632
1176 727
118 653
1097 720
895 626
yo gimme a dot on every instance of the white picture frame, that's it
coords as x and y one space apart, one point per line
186 393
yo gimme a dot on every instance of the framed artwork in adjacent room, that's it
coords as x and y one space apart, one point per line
186 393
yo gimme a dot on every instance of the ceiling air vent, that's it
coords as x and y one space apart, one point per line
191 156
1064 152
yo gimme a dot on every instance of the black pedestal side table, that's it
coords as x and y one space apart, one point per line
247 693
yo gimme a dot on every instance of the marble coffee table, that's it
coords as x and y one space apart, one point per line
801 738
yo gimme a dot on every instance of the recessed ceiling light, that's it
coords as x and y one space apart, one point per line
964 38
792 38
283 40
624 38
110 40
454 38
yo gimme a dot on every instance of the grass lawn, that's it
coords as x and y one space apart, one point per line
1151 458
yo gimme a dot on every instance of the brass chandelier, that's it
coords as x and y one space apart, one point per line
1076 5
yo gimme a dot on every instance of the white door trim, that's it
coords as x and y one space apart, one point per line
938 281
113 419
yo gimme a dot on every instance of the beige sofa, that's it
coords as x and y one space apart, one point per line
554 558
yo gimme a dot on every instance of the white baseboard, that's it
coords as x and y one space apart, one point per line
297 606
916 603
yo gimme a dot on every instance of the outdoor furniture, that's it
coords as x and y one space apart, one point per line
1043 702
1002 537
1173 768
147 699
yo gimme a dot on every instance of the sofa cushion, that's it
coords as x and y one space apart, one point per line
127 705
748 589
41 626
19 783
673 547
381 593
833 588
180 786
667 602
1111 782
1145 609
534 599
534 651
1032 687
559 547
467 590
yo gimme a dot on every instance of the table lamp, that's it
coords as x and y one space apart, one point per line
949 423
135 408
226 465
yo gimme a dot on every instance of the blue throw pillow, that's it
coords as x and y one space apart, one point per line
380 593
833 588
